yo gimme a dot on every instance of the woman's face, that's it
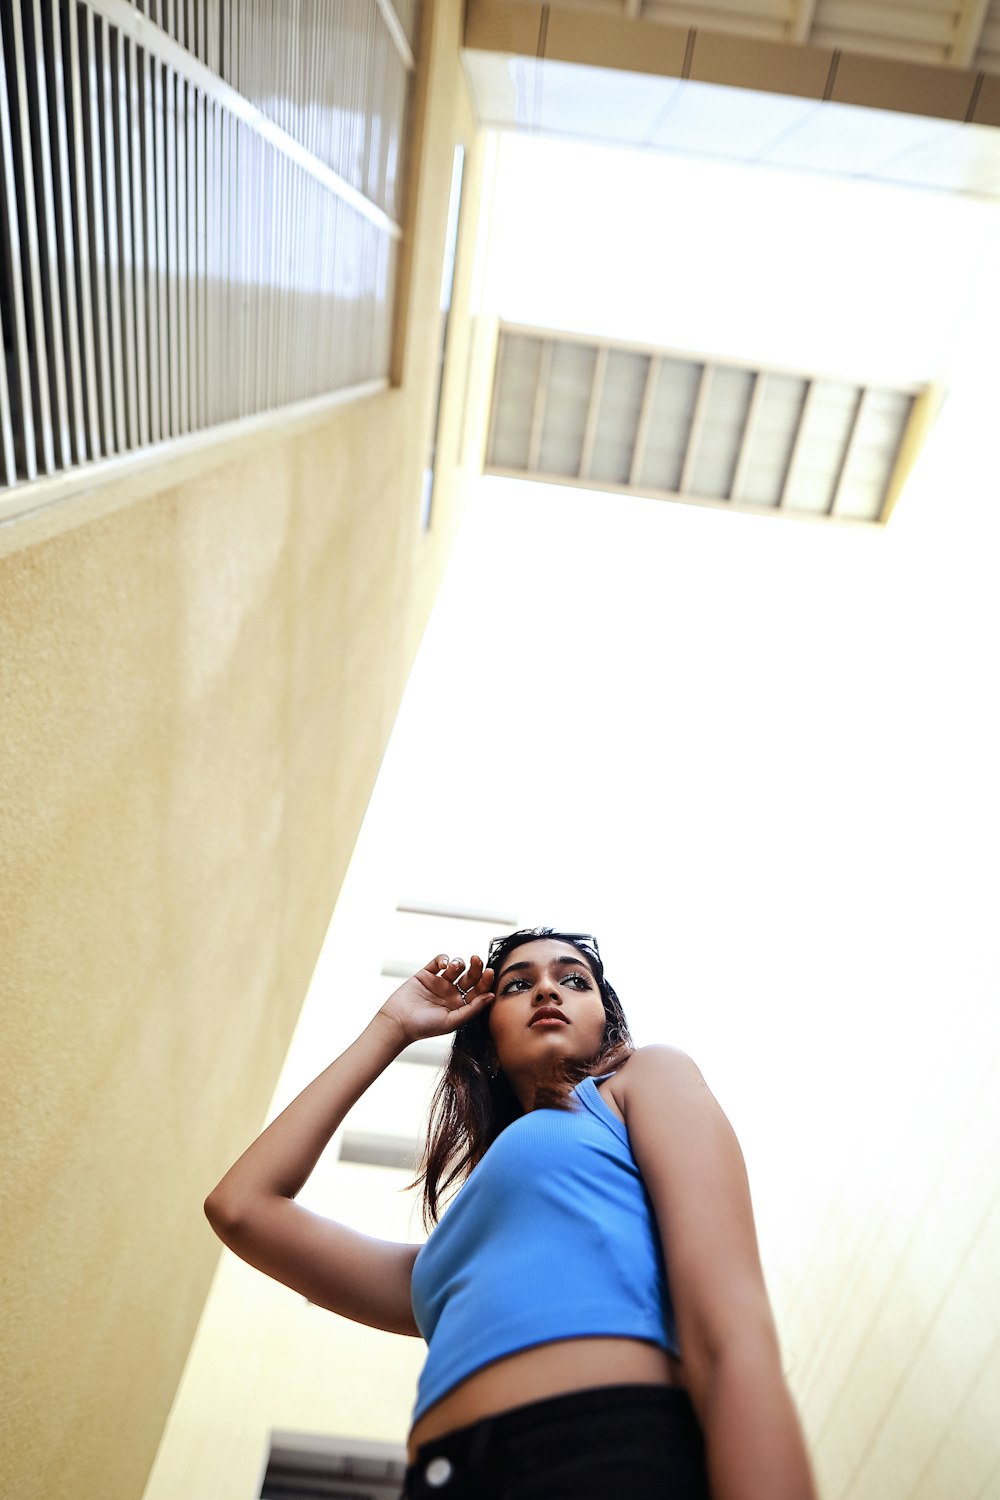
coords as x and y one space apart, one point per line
548 1007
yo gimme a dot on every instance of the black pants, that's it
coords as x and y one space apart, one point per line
620 1442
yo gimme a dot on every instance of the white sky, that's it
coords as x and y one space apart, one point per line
755 756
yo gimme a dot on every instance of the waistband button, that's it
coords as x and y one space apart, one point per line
438 1472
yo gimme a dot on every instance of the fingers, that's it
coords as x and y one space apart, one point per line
469 1007
444 970
457 986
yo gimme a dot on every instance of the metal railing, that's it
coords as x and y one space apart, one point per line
197 203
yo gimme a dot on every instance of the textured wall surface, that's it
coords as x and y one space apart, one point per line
196 692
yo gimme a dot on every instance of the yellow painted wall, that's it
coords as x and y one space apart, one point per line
197 687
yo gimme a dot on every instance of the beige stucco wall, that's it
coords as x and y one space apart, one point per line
197 687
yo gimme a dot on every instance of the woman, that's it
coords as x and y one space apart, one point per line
596 1315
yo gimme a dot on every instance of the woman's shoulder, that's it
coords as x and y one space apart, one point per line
650 1068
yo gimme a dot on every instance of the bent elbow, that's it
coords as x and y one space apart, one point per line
223 1215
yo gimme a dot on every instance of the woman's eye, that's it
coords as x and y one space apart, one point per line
578 981
513 985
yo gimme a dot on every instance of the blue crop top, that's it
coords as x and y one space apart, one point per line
552 1236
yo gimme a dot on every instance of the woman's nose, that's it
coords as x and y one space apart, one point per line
546 992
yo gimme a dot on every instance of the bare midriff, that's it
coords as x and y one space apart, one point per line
547 1370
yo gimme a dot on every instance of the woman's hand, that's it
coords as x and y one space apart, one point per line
440 997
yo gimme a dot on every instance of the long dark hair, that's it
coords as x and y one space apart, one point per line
474 1102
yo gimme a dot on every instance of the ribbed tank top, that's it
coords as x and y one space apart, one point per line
552 1236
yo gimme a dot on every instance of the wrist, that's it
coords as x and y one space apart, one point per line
388 1030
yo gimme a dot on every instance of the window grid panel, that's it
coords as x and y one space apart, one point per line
18 415
168 264
719 432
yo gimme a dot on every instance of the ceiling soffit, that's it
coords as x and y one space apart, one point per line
605 415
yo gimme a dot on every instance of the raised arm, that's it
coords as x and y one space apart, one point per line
693 1168
252 1209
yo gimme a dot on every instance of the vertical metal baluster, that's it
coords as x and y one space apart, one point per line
284 33
211 279
298 348
239 290
203 168
255 208
372 76
144 149
358 230
183 219
98 243
37 342
256 281
160 198
66 235
287 373
247 206
276 208
12 255
6 419
283 364
324 350
225 311
140 190
124 231
312 112
254 80
279 395
328 322
170 124
332 351
83 242
193 227
50 249
107 176
222 260
270 208
234 292
308 330
336 80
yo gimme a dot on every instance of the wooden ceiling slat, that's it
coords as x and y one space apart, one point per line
968 32
538 410
596 390
746 440
849 446
694 432
800 27
642 431
794 456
